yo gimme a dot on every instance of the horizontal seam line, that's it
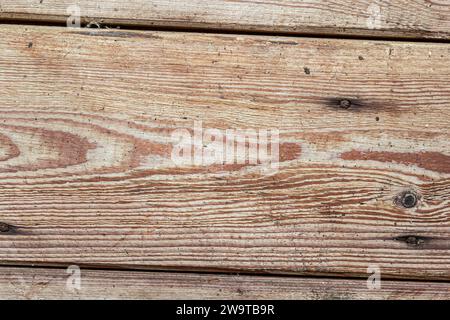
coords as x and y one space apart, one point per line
220 31
223 273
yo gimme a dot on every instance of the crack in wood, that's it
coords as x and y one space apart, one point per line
413 240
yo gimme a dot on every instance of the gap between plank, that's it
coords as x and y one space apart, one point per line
219 31
123 268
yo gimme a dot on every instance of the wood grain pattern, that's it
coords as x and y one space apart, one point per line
393 18
39 283
86 174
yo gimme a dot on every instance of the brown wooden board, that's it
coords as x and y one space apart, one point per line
394 18
86 174
39 283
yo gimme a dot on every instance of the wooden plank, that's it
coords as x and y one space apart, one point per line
86 146
40 283
394 18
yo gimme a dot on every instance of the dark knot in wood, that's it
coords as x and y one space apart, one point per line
408 199
4 227
345 104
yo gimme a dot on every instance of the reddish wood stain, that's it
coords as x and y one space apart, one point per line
434 161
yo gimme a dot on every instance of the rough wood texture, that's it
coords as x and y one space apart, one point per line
394 18
85 144
37 283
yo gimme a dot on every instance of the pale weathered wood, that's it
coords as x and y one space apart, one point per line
86 174
394 18
39 283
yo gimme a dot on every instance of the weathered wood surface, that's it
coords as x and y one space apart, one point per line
395 18
39 283
86 174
